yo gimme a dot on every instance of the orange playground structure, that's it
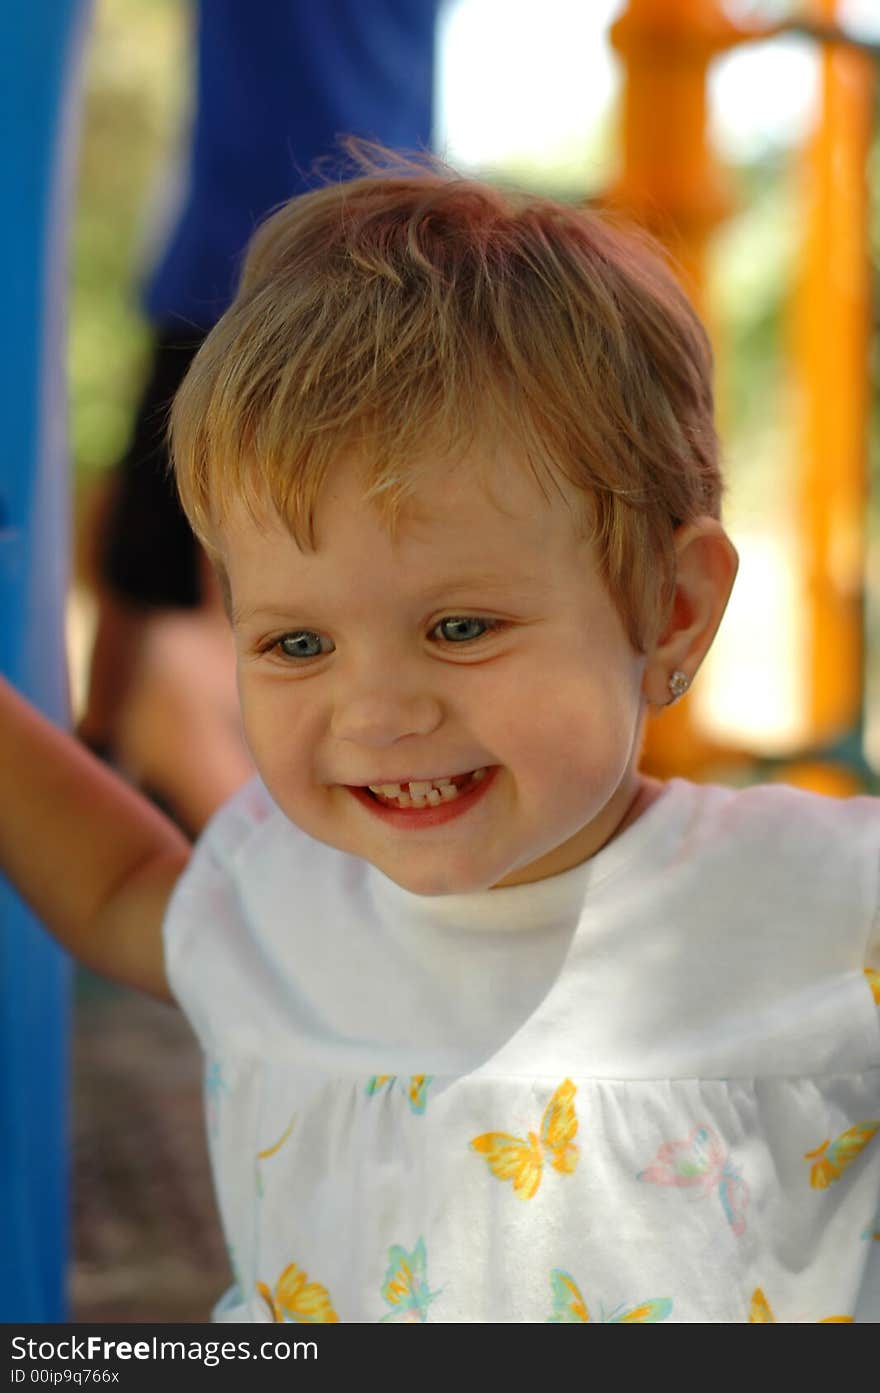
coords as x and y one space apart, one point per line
671 182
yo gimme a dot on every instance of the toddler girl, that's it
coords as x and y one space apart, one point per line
496 1028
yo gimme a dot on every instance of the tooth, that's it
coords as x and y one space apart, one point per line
418 799
478 774
389 790
419 788
404 801
448 791
433 796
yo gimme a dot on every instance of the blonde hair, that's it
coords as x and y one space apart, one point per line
408 311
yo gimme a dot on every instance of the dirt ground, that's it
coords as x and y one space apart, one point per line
146 1241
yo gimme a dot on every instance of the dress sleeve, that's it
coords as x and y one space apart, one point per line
203 933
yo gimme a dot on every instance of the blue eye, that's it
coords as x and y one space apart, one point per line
304 644
462 629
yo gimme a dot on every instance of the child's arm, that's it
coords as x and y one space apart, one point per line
95 860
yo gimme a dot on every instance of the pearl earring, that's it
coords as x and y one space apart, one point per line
678 685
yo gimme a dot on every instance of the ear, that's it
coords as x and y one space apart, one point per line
705 569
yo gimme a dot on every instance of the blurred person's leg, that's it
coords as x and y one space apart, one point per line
150 556
179 735
145 556
161 697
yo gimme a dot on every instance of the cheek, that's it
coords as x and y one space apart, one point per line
569 724
275 722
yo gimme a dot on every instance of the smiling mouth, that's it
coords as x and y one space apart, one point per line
425 793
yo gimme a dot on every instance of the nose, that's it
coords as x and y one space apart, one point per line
381 714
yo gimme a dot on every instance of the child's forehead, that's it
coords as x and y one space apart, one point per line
499 534
486 492
484 497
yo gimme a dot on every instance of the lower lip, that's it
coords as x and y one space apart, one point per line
430 816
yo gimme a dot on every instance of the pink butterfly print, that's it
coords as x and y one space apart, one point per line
700 1163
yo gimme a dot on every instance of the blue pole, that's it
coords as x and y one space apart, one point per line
40 46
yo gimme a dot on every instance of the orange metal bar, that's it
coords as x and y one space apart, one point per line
830 351
671 183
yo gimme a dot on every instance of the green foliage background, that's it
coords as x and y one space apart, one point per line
136 89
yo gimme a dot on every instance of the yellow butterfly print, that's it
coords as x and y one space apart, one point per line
759 1311
521 1160
569 1307
297 1299
405 1289
761 1314
841 1153
270 1151
276 1146
416 1089
873 976
378 1081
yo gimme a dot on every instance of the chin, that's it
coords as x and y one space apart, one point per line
435 882
431 886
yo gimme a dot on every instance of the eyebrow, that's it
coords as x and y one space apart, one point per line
243 616
489 581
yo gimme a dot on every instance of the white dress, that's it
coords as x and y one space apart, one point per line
645 1089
